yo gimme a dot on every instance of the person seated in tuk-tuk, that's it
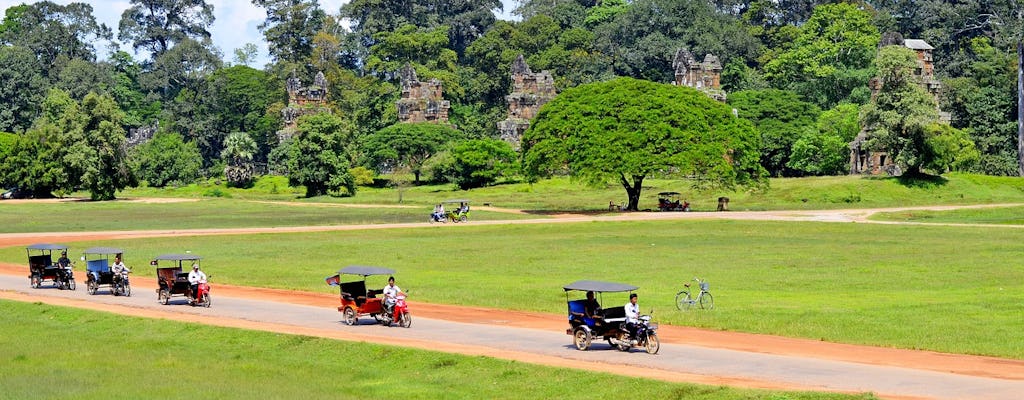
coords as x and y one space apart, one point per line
463 208
194 278
120 270
63 264
391 292
591 308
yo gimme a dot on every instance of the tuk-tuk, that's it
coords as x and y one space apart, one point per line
173 281
669 201
357 301
99 272
590 321
457 210
41 267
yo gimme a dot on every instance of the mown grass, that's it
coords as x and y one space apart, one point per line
562 194
950 289
55 352
204 213
995 216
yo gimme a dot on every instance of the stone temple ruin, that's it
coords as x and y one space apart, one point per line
865 161
303 100
530 91
704 76
421 101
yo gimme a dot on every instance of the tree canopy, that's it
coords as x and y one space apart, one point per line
628 129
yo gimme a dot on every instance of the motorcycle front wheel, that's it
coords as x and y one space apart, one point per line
653 344
405 320
206 300
127 289
71 284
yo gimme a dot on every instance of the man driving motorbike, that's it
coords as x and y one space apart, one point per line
391 292
194 278
632 316
63 264
120 270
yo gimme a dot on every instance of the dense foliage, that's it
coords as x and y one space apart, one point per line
783 62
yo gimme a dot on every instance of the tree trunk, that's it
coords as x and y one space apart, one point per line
1020 107
632 191
416 173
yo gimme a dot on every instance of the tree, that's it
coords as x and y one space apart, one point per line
246 54
830 56
105 167
480 162
22 88
897 118
236 99
781 117
158 25
627 129
290 27
405 145
239 152
166 159
317 158
54 33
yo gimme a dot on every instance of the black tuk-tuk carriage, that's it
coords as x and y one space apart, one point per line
99 272
42 268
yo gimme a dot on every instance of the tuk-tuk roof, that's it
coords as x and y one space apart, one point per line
46 246
103 250
365 270
599 286
668 194
178 257
456 201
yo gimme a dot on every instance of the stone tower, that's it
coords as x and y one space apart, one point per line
530 91
421 101
303 100
704 76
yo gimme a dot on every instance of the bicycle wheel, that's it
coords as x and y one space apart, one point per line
683 300
706 301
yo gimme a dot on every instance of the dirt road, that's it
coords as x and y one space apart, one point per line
690 355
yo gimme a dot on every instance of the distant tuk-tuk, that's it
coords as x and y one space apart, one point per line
669 201
357 301
173 280
457 210
42 268
99 272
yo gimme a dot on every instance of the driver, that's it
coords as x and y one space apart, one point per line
390 293
120 270
194 278
632 316
63 264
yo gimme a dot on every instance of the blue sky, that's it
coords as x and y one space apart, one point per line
235 25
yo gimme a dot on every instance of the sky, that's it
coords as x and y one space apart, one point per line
235 22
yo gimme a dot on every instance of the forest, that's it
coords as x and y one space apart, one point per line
167 108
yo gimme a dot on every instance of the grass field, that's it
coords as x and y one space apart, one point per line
561 194
205 213
52 352
995 216
950 289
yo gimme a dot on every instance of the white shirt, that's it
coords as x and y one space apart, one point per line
119 268
632 312
391 291
196 276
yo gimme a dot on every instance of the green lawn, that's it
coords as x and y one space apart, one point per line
53 352
950 289
996 216
205 213
562 194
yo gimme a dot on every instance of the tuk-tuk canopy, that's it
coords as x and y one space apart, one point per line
103 250
455 201
365 270
599 286
664 194
46 246
178 257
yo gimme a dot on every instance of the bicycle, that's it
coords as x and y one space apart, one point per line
704 299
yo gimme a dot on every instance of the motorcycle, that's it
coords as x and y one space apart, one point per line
646 336
121 286
438 217
66 277
399 313
201 298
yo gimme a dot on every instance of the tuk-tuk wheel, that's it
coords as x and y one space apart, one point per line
463 218
350 316
92 286
581 338
164 297
35 281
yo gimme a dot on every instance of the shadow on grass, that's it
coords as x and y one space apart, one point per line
921 181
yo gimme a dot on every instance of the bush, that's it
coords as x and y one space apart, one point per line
362 175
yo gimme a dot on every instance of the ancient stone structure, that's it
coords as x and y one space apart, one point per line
864 161
530 91
303 100
142 134
421 101
704 76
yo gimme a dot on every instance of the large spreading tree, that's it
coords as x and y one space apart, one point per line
628 129
405 145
